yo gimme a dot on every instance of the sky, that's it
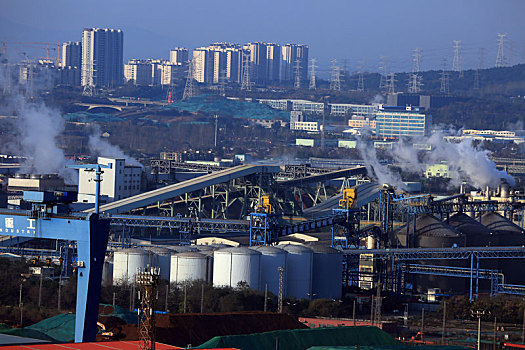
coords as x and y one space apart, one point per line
356 31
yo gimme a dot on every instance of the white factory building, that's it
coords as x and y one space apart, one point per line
119 182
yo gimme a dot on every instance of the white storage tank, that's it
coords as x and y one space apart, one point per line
327 273
299 270
190 266
126 262
236 264
271 259
162 258
183 248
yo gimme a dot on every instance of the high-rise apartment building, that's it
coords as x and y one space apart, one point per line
102 57
71 54
139 72
217 63
179 55
258 62
293 54
273 58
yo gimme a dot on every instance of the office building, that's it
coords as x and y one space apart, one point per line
358 122
291 53
118 182
179 55
71 54
347 109
102 57
396 122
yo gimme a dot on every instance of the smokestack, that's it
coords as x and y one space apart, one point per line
487 193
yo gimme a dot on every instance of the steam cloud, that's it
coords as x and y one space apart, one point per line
38 127
465 162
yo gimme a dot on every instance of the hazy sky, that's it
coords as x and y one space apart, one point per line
342 29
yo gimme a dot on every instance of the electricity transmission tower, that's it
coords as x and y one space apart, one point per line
222 81
361 80
445 86
415 82
457 63
383 81
89 73
312 74
297 83
335 81
500 59
246 84
190 89
391 83
147 280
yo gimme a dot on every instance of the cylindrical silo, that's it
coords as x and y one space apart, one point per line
299 270
189 266
126 262
235 265
162 259
271 259
327 272
183 248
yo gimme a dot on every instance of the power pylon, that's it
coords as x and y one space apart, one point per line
415 82
222 81
335 81
312 74
190 89
476 79
147 280
361 79
445 86
391 83
246 84
457 63
89 72
383 69
297 83
500 59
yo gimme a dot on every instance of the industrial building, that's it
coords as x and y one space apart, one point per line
395 122
121 180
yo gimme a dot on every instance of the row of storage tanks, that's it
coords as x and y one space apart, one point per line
309 271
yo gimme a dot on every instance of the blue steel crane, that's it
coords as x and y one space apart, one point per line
49 218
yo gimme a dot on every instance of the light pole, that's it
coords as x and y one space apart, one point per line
478 314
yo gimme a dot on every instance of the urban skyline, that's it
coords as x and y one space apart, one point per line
340 30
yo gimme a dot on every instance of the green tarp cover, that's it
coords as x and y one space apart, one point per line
59 328
302 339
397 347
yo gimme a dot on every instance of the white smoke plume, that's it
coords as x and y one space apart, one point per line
465 162
100 147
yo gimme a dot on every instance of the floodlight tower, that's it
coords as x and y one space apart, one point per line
147 280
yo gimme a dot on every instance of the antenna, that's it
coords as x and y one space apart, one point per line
500 59
190 90
361 80
246 83
445 86
312 74
297 83
457 63
335 80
